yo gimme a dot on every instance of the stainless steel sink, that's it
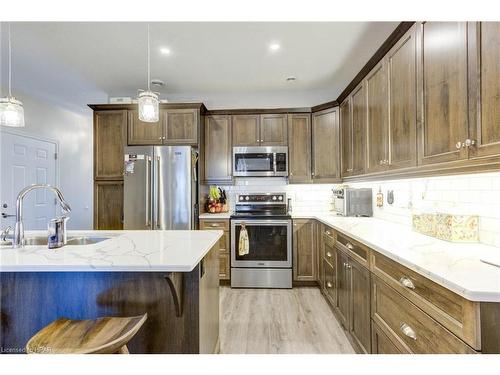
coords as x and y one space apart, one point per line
72 240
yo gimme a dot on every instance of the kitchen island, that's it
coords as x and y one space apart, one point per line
170 275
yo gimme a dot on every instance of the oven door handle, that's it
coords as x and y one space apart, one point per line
252 222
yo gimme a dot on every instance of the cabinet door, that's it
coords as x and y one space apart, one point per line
108 205
358 99
401 70
246 130
218 148
299 148
319 257
383 344
144 133
181 126
346 136
360 305
109 141
304 251
485 89
377 101
443 100
325 146
273 130
343 287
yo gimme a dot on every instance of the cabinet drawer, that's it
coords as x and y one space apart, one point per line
224 267
383 343
358 251
329 234
329 286
416 331
456 313
214 224
328 250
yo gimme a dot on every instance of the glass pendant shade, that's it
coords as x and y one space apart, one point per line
11 112
149 106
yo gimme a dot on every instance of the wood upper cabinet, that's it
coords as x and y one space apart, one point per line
246 130
377 106
401 72
108 205
325 146
176 127
109 141
346 137
299 148
273 130
443 102
484 63
360 292
144 133
358 123
180 126
217 160
304 251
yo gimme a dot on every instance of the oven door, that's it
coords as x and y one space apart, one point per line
253 161
270 243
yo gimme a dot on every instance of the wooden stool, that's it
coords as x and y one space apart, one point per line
101 336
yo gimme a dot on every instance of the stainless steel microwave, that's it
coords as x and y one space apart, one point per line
260 161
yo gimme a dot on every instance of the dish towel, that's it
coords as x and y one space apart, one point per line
243 244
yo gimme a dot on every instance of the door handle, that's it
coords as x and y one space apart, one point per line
148 191
157 215
4 215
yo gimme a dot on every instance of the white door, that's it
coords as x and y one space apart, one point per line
25 161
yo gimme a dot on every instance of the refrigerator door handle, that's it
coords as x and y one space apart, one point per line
148 191
157 224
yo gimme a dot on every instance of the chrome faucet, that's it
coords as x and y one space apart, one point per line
18 239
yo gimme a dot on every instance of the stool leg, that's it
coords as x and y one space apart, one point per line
123 350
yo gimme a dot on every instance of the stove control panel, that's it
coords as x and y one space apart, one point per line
262 198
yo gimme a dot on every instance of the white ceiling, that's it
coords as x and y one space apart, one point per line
222 64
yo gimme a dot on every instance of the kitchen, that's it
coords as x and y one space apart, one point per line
362 218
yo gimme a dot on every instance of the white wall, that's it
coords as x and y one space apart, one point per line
73 132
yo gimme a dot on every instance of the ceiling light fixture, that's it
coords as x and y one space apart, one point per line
165 51
149 103
274 46
11 109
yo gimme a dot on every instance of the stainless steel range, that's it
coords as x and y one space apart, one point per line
265 260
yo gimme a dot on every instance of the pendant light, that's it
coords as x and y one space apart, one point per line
11 109
149 103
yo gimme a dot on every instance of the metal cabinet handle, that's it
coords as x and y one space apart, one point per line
406 282
329 284
291 173
408 331
349 266
469 142
327 232
459 145
214 225
349 246
328 254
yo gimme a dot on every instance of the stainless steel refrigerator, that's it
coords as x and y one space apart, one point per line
160 187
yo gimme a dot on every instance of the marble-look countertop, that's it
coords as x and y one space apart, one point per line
459 267
222 215
124 251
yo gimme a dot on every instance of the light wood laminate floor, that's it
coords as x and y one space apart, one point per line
272 321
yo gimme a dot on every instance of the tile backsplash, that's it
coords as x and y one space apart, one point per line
477 194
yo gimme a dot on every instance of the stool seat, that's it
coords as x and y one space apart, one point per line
100 336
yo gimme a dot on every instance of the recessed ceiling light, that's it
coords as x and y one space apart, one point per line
274 46
165 51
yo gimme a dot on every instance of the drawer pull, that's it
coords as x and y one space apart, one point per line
328 233
406 282
349 246
328 254
214 225
329 284
408 331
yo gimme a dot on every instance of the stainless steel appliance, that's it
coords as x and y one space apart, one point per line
160 189
353 202
260 161
268 263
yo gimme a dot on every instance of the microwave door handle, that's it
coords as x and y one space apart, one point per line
274 163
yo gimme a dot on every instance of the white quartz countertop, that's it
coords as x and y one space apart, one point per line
223 215
459 267
124 251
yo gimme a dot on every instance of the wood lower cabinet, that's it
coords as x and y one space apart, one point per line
304 250
360 304
273 130
343 285
108 205
443 99
246 130
299 148
382 343
325 146
224 245
217 149
109 142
